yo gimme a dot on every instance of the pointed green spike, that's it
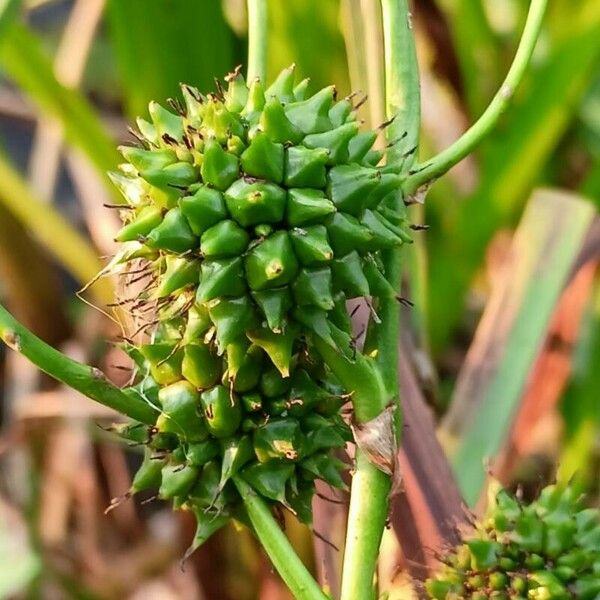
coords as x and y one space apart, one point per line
379 286
348 186
219 167
143 223
173 234
194 103
220 123
224 239
348 276
315 319
255 202
311 245
207 525
134 189
387 184
283 86
237 91
179 174
198 322
166 122
255 102
305 167
264 158
360 144
325 467
278 346
306 206
200 366
231 317
205 208
347 234
382 236
221 277
334 141
144 160
372 158
244 365
301 90
269 479
237 452
313 287
180 272
275 304
149 474
278 439
148 131
236 145
272 263
312 115
274 122
340 113
400 231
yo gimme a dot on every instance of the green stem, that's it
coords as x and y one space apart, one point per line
445 160
90 381
370 486
257 39
278 547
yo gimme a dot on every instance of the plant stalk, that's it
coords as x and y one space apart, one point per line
257 40
445 160
277 546
90 381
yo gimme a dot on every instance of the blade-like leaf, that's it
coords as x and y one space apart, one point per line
23 60
511 331
159 44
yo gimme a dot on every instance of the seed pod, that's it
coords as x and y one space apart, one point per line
200 366
278 439
200 453
173 234
305 167
177 480
203 209
219 168
149 474
222 411
145 221
180 414
264 159
306 206
269 478
224 239
164 360
311 245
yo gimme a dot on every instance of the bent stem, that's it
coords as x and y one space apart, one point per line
90 381
445 160
277 546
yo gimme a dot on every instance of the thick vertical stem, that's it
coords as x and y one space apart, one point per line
257 39
370 486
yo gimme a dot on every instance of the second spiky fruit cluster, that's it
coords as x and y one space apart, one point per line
547 550
253 215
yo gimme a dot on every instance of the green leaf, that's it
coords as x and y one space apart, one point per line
54 232
511 332
512 165
159 44
9 11
22 59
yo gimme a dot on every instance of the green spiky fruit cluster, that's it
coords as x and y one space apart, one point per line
253 215
547 550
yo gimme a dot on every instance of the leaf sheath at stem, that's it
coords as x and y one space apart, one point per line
278 547
83 378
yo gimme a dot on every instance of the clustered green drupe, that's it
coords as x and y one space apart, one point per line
252 215
547 550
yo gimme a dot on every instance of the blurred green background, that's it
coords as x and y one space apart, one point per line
504 337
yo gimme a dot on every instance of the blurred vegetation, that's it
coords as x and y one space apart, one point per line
74 74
